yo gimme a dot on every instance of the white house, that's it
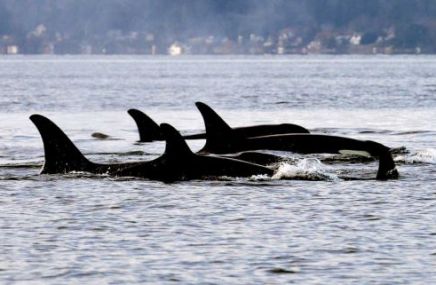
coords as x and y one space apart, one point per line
175 49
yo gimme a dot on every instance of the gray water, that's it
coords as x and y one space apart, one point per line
82 228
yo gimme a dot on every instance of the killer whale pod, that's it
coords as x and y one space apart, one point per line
178 162
234 143
221 139
149 129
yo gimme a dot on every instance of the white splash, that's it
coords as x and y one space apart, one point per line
422 156
260 177
308 169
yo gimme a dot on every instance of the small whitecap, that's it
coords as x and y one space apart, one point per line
422 156
308 169
260 177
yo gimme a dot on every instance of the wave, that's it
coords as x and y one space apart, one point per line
413 132
421 156
304 169
20 165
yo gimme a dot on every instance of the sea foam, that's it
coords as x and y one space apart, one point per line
421 156
306 169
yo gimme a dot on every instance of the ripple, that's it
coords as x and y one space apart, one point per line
419 157
279 270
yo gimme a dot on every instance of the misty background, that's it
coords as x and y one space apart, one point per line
217 26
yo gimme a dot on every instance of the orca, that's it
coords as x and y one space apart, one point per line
178 162
221 139
309 143
149 129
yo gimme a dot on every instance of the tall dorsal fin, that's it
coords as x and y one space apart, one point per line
175 144
213 123
148 129
61 155
220 137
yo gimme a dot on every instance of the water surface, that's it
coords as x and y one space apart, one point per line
81 228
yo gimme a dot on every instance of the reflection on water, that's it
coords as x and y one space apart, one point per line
342 226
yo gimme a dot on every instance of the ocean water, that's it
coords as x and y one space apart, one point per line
305 225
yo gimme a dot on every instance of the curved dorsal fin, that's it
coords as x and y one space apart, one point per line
213 123
61 155
220 137
176 146
148 129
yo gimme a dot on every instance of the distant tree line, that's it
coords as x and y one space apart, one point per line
74 22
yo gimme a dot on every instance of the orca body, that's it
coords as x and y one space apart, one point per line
256 157
221 139
305 144
177 163
149 129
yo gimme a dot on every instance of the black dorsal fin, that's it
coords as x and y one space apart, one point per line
148 129
220 137
176 146
213 123
61 155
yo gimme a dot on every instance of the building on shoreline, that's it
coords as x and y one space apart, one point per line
286 41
